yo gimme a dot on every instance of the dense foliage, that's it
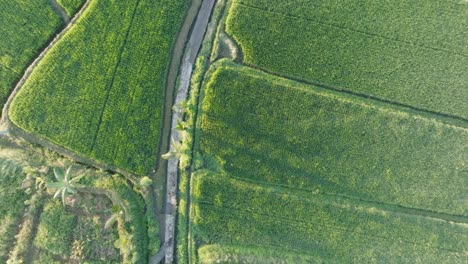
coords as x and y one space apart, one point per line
133 240
26 26
100 90
408 53
332 176
71 6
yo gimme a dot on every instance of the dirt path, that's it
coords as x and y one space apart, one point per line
159 177
5 119
192 49
60 11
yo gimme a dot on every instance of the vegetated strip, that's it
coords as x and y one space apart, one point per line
26 28
316 51
331 142
62 108
233 212
391 208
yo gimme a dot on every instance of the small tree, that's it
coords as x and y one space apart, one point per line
65 184
175 152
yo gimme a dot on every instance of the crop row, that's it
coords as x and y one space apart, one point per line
229 211
100 90
329 142
371 57
26 26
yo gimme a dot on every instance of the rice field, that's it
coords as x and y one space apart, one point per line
99 91
26 27
405 53
331 177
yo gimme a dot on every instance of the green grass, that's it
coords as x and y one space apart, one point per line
100 90
329 178
26 26
326 229
71 6
12 198
411 54
56 228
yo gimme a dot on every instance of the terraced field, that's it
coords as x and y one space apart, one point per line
26 28
410 54
328 177
99 91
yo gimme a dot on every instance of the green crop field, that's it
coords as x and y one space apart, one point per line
332 177
100 90
333 143
71 6
26 26
326 229
415 54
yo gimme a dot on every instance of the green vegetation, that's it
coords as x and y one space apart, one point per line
133 234
412 54
11 196
332 143
56 228
252 254
329 178
328 229
71 6
100 90
73 227
26 26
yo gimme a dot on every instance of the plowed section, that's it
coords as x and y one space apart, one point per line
351 47
99 92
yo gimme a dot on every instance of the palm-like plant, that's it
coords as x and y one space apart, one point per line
176 151
65 184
